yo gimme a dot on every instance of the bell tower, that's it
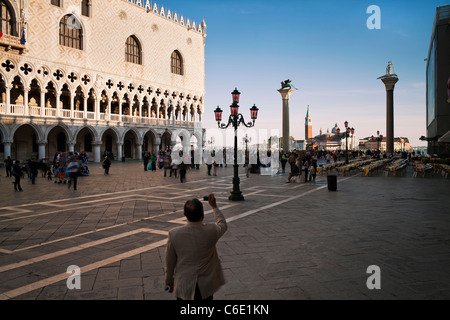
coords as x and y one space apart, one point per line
308 125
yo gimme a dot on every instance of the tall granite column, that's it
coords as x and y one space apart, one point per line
285 94
389 82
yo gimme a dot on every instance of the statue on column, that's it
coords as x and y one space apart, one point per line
389 71
389 68
287 85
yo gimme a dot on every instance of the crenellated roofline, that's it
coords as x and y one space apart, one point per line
153 7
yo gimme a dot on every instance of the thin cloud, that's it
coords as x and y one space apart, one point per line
419 84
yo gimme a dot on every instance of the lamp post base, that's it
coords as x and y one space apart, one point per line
236 196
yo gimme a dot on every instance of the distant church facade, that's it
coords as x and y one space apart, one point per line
105 75
331 141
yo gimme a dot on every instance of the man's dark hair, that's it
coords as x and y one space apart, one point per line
193 210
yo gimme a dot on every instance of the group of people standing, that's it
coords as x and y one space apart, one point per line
64 167
300 164
163 161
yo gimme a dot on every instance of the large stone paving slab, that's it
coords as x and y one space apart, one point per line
285 241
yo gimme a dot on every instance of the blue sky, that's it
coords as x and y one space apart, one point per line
327 51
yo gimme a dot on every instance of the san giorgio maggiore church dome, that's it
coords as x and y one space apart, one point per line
123 76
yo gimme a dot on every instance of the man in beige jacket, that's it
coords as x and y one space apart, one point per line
193 269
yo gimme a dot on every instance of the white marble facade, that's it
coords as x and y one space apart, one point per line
54 97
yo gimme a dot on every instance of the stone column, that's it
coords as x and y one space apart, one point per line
119 151
97 108
7 149
172 115
85 107
58 103
8 98
109 111
140 112
97 145
139 151
41 153
285 93
72 97
120 113
26 90
71 146
389 82
157 145
43 92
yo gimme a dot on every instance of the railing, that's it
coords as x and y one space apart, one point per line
34 110
15 109
12 41
77 114
50 112
64 113
135 119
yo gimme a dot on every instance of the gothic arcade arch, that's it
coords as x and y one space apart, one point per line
130 141
25 142
110 139
84 140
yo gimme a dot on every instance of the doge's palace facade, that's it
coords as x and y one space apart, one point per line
123 76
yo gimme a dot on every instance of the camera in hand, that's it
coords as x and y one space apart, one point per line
206 198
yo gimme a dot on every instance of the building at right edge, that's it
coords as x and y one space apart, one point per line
438 85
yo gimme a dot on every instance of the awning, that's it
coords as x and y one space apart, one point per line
445 138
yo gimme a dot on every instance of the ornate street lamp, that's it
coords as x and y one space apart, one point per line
348 132
235 119
235 95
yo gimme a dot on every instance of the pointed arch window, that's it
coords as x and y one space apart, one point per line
70 32
56 3
6 19
133 52
177 63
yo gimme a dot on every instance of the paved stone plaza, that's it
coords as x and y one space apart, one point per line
284 242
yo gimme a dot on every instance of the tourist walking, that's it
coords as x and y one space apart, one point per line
73 167
209 166
146 161
153 160
193 269
17 173
8 166
312 171
173 168
182 171
166 163
106 165
306 165
283 160
215 168
33 167
160 159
